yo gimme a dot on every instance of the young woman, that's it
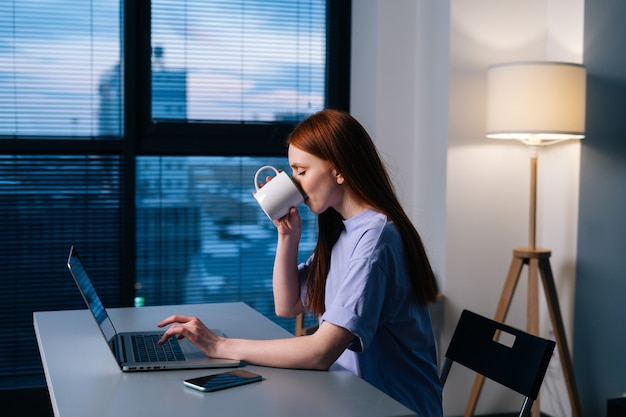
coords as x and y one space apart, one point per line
368 280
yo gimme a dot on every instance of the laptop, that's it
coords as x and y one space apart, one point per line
138 351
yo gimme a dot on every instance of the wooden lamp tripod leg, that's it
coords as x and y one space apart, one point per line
559 334
532 312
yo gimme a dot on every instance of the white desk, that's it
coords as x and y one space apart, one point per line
84 379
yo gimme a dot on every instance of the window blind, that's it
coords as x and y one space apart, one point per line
243 61
59 68
48 203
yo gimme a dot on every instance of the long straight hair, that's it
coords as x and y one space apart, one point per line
337 137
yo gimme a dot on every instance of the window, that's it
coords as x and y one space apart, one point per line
238 61
53 58
127 138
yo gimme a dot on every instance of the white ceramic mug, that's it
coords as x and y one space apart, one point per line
277 196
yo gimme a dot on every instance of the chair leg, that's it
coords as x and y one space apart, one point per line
526 407
445 370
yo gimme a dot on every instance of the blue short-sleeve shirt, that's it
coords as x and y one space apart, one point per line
368 293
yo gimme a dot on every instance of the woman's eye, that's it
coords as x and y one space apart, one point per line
301 172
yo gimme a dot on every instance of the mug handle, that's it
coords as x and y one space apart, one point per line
256 176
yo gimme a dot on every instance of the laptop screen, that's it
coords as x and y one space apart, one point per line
89 294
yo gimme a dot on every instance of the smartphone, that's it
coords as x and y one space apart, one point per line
222 380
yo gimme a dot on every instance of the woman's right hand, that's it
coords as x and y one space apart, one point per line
290 225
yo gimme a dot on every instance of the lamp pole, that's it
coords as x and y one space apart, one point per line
532 309
534 153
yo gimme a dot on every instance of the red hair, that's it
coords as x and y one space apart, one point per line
337 137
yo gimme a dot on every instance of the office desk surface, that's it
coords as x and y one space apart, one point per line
84 379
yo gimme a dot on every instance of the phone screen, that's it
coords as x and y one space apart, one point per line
222 380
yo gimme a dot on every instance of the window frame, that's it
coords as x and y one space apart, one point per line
142 138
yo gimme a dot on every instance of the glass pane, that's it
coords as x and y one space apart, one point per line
249 60
47 204
201 236
59 68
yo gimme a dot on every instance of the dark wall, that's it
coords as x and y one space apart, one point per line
600 312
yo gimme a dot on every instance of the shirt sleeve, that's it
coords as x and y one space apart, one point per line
359 301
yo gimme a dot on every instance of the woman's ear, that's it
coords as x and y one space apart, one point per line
339 178
337 174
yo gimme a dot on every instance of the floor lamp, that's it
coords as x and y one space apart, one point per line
537 103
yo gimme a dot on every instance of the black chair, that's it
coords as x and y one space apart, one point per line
508 356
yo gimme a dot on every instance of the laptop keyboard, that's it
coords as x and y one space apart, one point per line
146 349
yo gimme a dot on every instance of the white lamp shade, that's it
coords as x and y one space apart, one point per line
536 101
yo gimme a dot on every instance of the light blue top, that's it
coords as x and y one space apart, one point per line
368 293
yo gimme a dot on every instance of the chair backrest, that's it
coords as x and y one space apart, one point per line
509 356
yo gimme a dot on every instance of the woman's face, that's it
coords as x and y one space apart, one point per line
319 181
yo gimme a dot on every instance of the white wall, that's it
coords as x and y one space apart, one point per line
418 85
399 92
